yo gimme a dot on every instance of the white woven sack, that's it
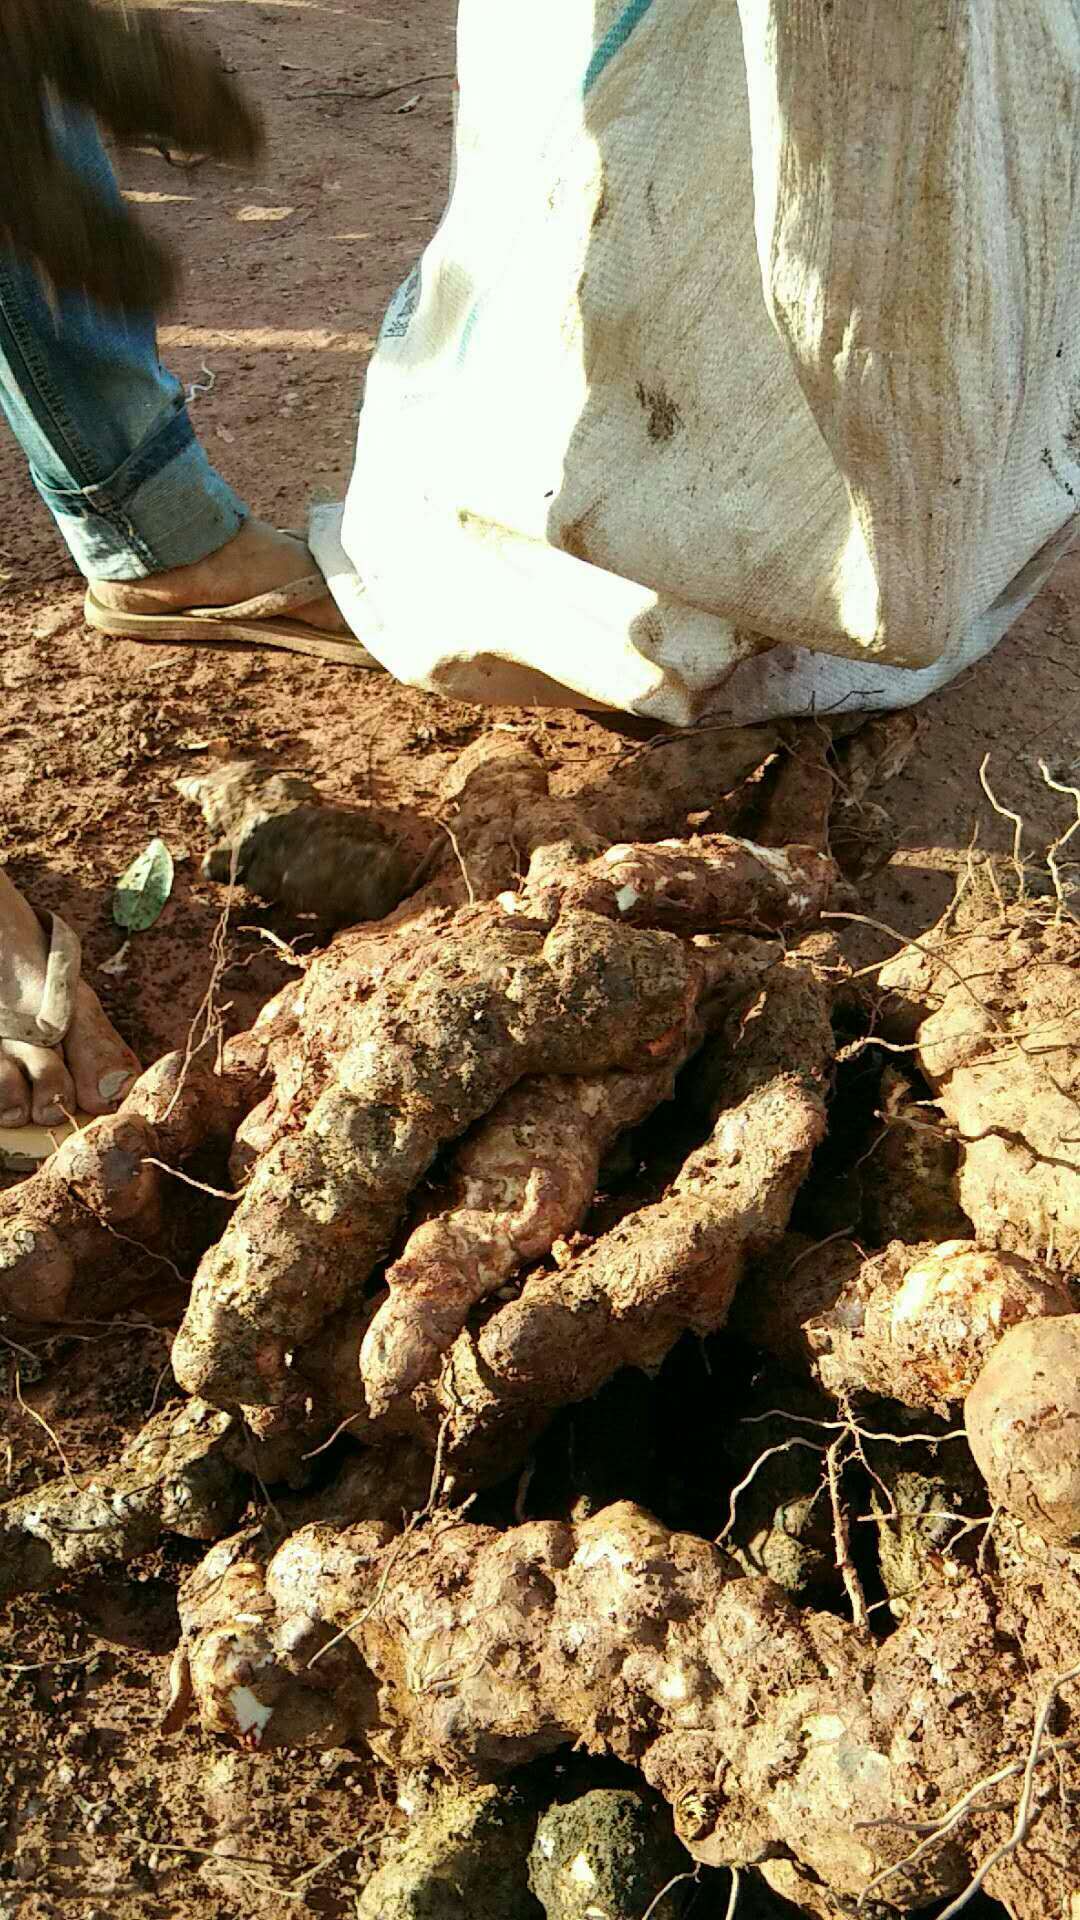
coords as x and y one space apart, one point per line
749 326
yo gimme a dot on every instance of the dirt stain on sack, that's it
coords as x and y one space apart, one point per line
572 537
664 416
652 211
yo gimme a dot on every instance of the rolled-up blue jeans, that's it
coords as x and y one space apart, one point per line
104 426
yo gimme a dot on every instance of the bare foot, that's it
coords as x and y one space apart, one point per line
254 561
92 1070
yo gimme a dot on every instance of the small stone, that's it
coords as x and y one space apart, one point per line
466 1858
609 1853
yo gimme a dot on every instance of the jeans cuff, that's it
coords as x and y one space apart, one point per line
165 507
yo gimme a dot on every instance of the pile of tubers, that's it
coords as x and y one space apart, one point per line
582 1100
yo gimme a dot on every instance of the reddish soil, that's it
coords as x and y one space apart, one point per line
287 277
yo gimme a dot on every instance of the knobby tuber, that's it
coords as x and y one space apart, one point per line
934 1326
786 1739
1023 1423
672 1266
421 1253
624 1298
995 1012
181 1474
430 1055
521 1182
697 886
913 1324
524 1180
93 1228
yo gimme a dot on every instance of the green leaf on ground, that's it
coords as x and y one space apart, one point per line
142 891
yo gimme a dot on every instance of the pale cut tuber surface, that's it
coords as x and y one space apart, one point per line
1023 1423
782 1738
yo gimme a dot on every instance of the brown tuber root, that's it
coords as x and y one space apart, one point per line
1023 1423
784 1739
91 1230
672 1266
696 886
996 1015
180 1475
274 834
428 1058
521 1182
626 1297
913 1324
525 1180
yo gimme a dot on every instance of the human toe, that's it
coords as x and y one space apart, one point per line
103 1065
52 1090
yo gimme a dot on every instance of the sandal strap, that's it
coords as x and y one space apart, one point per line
48 1026
265 606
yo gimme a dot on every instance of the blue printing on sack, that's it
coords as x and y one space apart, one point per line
614 40
405 301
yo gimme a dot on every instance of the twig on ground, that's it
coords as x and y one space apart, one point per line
850 1426
342 1427
417 1520
44 1425
677 1880
38 1666
1052 852
208 1018
449 832
370 94
202 1186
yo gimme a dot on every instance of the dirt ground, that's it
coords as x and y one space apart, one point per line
287 276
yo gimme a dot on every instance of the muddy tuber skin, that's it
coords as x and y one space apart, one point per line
913 1324
697 886
783 1739
428 1058
94 1227
274 833
1023 1423
180 1475
621 1299
520 1183
140 78
995 1014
